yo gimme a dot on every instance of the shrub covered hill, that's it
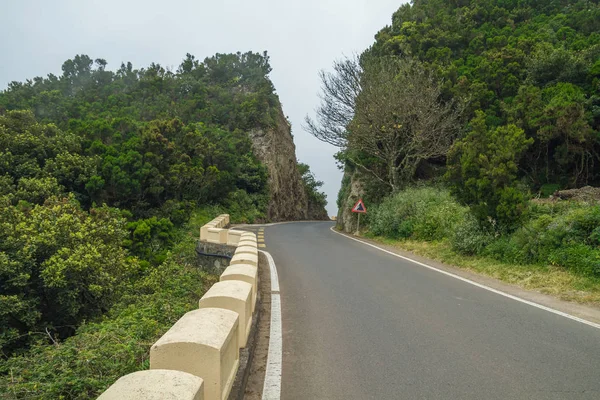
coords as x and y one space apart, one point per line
522 75
99 168
156 142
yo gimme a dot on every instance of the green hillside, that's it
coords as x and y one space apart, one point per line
461 120
105 178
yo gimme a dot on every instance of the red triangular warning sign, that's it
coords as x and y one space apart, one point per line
359 207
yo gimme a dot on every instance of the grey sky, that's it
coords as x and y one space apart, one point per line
301 37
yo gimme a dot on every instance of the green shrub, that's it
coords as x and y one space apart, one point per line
483 171
469 237
424 213
578 258
501 249
150 239
84 365
565 234
246 208
59 266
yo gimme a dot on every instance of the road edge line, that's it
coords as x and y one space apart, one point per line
272 383
488 288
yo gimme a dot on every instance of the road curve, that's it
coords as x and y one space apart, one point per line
362 324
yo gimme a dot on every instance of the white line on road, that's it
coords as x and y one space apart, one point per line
510 296
272 384
273 269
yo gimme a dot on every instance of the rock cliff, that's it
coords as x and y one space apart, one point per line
274 146
350 192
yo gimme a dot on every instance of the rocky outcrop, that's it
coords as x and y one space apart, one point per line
350 192
274 146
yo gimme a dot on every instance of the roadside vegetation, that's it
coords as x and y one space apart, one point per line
457 125
105 180
97 350
555 251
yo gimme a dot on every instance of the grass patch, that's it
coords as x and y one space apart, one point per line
552 280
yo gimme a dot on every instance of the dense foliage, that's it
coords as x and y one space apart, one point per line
514 65
101 351
59 265
98 172
525 77
561 234
531 63
151 141
483 169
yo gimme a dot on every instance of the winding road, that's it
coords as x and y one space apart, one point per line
362 324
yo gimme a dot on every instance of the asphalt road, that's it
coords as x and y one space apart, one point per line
362 324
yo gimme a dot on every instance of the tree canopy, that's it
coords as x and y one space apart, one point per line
531 63
519 73
98 168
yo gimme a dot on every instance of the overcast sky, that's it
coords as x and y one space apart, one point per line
302 37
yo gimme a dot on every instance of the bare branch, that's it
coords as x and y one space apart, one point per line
400 117
339 91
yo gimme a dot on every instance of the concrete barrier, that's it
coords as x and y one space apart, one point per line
217 235
221 221
198 358
235 296
245 273
246 242
156 384
203 343
204 231
244 258
233 237
247 249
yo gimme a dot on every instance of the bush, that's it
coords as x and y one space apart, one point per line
59 266
469 237
424 213
565 235
246 208
84 365
578 258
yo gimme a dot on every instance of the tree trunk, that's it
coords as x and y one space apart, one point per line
393 176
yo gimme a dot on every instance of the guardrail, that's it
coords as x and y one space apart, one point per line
198 358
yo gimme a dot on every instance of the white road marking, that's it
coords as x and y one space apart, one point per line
510 296
272 384
273 269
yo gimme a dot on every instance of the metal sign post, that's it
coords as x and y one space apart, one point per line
359 208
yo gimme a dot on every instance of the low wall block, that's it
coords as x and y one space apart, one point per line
249 235
233 237
225 219
156 384
246 248
247 242
217 235
245 273
244 258
203 343
235 296
204 230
